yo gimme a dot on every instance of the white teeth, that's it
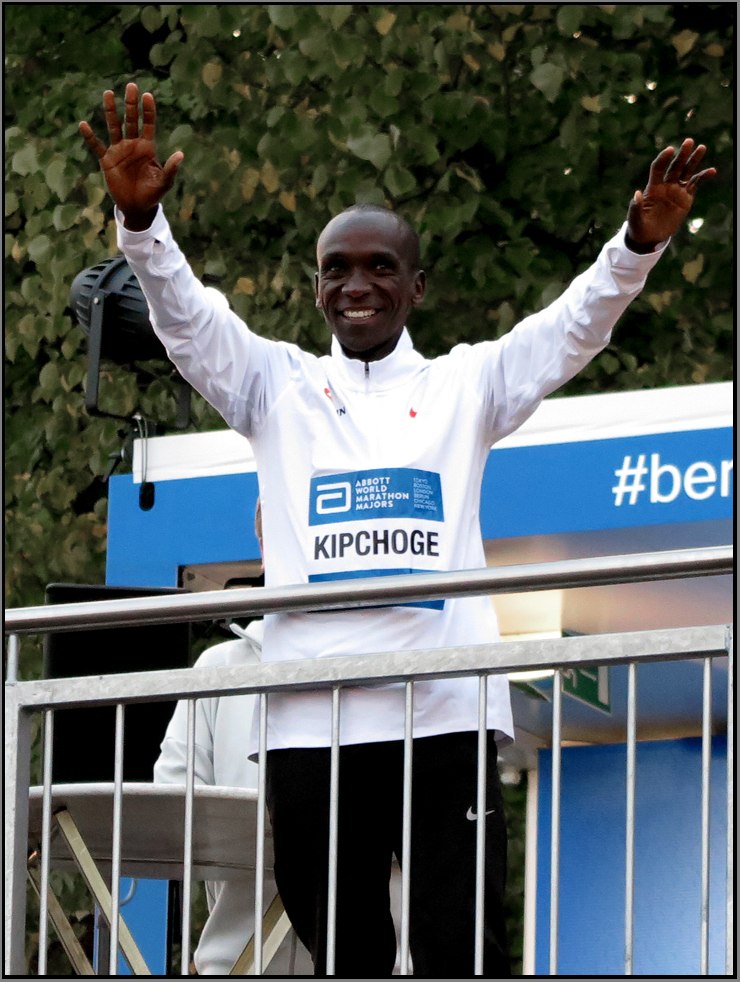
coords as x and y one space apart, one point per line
359 314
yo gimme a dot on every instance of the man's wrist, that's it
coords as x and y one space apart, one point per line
139 221
641 248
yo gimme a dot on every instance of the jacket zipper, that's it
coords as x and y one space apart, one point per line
367 377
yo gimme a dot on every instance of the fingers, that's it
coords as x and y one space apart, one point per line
171 167
111 117
132 111
692 164
675 169
149 116
91 140
702 175
660 165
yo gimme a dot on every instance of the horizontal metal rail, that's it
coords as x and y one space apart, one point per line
211 605
394 666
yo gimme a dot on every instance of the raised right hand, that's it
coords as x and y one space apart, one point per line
136 180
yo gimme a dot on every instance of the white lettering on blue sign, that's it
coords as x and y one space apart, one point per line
334 498
407 492
699 481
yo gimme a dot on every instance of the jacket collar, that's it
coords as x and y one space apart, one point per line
386 373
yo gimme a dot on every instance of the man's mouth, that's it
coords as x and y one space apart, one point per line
359 315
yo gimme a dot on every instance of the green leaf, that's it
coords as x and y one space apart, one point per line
59 178
339 14
25 160
11 203
282 15
38 248
65 217
152 19
548 78
49 379
384 105
375 147
315 45
569 17
398 180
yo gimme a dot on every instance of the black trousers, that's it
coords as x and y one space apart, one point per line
442 910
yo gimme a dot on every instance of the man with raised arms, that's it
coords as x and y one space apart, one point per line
370 462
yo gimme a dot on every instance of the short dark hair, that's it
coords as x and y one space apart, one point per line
414 246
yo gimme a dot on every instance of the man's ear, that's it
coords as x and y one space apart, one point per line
316 290
420 285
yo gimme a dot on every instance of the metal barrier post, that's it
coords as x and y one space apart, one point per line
115 868
557 735
629 890
259 877
331 907
480 824
408 760
187 865
17 769
45 844
706 773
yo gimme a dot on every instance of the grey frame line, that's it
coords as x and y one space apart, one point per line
730 872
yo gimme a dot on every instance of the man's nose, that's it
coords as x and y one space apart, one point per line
357 284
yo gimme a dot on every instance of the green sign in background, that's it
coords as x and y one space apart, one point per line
589 685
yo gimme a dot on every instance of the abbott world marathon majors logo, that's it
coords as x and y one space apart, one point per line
361 495
662 482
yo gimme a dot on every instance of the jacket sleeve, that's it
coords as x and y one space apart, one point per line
548 348
238 372
171 765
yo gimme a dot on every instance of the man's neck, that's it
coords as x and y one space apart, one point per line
381 350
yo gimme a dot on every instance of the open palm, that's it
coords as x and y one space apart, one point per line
656 213
136 180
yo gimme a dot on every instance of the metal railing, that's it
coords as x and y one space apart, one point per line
25 698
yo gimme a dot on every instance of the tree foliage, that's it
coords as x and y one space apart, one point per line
511 135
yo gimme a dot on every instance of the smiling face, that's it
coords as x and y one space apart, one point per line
368 280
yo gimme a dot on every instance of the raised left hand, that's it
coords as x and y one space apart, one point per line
656 213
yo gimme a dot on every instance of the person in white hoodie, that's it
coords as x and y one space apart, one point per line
370 463
221 733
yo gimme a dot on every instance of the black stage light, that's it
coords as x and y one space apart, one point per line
111 308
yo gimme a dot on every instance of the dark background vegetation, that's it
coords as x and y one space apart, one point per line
511 135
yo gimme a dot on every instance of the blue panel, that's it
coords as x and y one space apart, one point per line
574 487
667 859
144 909
146 916
196 520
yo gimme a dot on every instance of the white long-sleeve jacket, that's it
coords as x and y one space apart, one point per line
374 469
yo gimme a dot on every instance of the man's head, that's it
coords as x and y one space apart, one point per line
368 279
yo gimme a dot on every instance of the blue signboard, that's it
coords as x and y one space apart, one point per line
658 479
